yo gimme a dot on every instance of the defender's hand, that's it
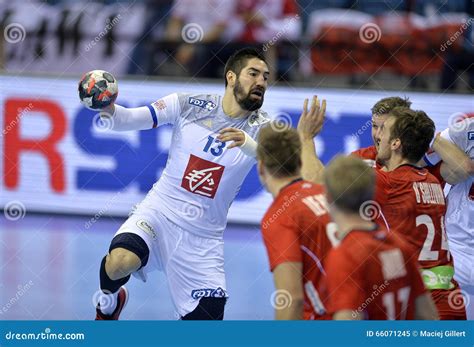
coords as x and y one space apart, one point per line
311 122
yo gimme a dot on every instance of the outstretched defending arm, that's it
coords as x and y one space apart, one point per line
310 125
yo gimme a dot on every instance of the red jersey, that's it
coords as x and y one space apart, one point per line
373 273
413 205
295 229
412 200
369 154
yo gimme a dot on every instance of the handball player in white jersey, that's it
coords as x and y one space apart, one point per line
460 210
178 227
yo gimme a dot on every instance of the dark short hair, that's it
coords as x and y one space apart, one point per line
415 131
238 60
279 151
385 105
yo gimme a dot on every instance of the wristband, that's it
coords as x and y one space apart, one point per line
249 146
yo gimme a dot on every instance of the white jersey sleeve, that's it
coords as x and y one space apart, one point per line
162 111
455 134
461 135
125 119
165 110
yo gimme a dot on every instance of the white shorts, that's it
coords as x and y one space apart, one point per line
194 266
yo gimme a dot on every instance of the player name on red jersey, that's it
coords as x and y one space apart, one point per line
428 193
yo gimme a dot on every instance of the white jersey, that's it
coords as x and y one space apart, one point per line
460 209
460 199
202 176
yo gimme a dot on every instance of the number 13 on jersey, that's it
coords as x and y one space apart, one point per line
215 150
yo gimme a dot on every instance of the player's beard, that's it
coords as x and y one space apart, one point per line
245 100
382 158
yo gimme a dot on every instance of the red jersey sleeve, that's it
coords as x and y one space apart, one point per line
366 153
436 172
282 242
343 283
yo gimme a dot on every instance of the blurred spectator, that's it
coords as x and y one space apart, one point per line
261 21
270 24
194 23
145 55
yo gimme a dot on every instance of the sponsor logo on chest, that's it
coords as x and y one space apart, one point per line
205 104
202 177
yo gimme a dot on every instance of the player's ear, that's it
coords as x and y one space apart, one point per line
259 167
261 171
231 78
396 144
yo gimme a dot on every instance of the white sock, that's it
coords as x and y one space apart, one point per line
108 302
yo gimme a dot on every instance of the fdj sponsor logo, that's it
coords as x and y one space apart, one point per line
470 135
208 105
208 293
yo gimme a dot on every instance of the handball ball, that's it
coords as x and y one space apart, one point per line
97 89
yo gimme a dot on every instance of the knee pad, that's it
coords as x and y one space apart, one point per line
106 284
133 243
208 309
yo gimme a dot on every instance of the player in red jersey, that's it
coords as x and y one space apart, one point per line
371 274
412 201
295 227
380 113
447 171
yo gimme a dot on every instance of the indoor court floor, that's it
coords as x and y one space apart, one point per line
49 271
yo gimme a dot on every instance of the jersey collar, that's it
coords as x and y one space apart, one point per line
291 183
